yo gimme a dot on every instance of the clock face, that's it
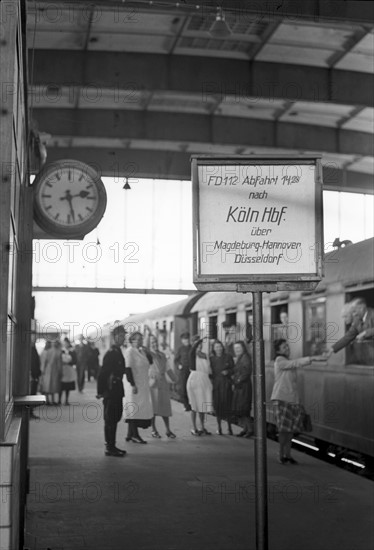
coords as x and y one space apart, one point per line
70 198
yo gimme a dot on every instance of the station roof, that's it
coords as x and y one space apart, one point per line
136 87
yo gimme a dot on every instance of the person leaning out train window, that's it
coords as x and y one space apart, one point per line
160 393
199 386
221 364
361 321
366 315
285 397
242 388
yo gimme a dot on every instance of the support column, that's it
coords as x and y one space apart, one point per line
260 426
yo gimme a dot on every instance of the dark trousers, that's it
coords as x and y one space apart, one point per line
110 435
183 377
112 415
81 367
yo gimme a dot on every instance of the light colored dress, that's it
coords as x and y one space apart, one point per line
199 387
160 393
51 367
137 406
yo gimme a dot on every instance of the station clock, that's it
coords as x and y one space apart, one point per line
69 198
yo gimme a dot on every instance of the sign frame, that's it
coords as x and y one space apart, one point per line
255 282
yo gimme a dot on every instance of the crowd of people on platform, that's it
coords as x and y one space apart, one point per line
61 368
135 381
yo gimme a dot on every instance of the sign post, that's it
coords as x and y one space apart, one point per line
257 227
260 425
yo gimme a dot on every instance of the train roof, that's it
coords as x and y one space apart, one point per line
180 308
352 264
227 300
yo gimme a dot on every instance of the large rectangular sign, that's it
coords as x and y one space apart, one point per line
257 221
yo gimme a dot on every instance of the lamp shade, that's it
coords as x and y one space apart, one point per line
220 28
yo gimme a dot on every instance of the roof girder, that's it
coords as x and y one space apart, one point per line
204 75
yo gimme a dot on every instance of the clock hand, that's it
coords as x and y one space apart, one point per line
83 195
69 198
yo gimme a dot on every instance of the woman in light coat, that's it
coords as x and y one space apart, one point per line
288 411
138 408
160 393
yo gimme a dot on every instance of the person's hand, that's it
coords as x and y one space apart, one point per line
180 367
326 355
360 337
99 396
319 357
134 390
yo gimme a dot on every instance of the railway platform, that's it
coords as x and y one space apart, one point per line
190 493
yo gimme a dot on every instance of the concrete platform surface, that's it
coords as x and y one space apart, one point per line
189 493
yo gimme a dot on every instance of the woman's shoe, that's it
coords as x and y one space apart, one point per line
282 460
241 434
219 431
230 432
171 435
138 439
195 432
205 432
248 435
156 435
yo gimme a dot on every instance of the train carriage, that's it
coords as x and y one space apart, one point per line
338 394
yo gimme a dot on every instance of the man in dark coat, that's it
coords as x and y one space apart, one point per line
182 362
82 351
110 387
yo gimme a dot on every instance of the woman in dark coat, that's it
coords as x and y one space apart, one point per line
242 388
222 366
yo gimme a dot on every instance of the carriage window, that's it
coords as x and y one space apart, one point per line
230 332
279 325
203 327
170 339
315 326
360 353
249 326
212 329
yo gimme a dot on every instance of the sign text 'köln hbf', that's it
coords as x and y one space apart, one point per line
257 222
